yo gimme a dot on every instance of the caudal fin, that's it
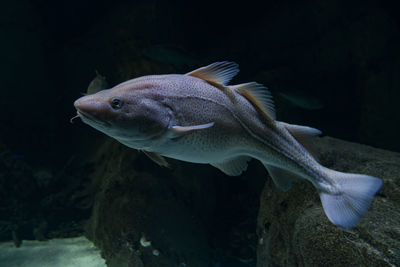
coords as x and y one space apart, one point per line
356 191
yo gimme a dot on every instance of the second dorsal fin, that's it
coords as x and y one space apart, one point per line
259 96
219 73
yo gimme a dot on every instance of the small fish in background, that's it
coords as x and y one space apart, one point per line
97 84
302 100
197 117
172 55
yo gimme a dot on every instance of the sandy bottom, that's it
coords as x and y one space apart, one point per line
67 252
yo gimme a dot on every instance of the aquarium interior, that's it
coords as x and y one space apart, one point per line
66 188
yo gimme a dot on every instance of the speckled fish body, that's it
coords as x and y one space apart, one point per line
198 118
238 130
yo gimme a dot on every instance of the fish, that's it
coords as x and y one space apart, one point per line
97 84
197 117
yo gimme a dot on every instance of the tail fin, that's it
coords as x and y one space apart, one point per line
356 191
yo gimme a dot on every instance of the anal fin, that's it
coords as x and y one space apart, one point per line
233 167
282 178
157 158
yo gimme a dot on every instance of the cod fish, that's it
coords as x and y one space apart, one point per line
197 117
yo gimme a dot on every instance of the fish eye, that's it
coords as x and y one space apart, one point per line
116 103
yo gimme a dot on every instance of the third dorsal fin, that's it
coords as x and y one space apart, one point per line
304 135
219 73
259 96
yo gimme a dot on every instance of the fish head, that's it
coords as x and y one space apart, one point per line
134 116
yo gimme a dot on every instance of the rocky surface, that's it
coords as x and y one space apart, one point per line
182 212
294 231
193 215
41 203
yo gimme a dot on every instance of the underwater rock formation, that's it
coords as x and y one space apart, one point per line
136 203
193 215
293 230
189 215
38 203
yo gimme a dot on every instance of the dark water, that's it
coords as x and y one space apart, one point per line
333 65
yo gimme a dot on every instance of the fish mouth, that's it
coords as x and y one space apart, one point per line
88 118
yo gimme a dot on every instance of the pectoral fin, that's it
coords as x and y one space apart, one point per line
182 130
233 167
157 158
282 178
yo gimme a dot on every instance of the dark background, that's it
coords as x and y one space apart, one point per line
343 53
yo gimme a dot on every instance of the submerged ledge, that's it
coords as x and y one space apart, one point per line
65 252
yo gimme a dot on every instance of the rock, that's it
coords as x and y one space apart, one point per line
136 201
40 203
191 214
174 210
294 231
178 213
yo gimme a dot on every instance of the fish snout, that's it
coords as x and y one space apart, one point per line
89 107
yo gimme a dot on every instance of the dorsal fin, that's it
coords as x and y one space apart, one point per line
259 96
300 131
219 73
305 135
